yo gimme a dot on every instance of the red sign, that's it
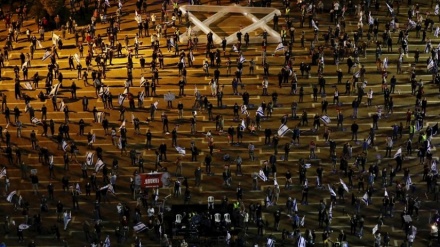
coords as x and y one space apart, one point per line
154 180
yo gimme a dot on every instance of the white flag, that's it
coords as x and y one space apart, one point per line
234 48
121 99
122 125
344 185
39 44
314 25
76 57
370 20
55 39
54 90
100 116
180 150
303 221
408 183
398 153
375 228
332 192
244 109
436 10
11 195
385 193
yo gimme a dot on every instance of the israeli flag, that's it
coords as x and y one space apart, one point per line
262 176
295 206
282 130
344 185
408 183
54 90
301 241
260 111
398 153
142 96
332 192
107 241
64 145
46 55
244 109
39 44
120 143
121 99
437 31
243 125
3 172
357 74
390 9
35 120
139 227
370 20
434 167
368 140
93 139
385 63
180 150
89 158
78 188
62 106
55 38
430 65
172 42
11 195
156 105
411 24
28 85
99 165
234 48
437 9
375 229
280 47
242 59
385 193
365 198
122 125
303 221
314 25
325 119
107 3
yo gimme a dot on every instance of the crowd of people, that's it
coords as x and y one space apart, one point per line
94 62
